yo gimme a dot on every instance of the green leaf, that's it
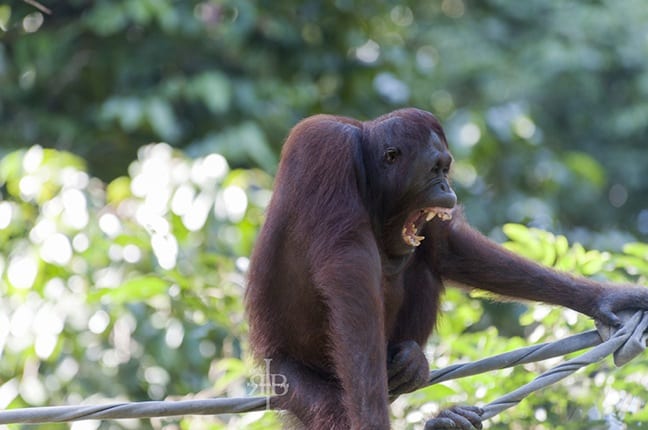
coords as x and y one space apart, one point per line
592 263
637 249
566 262
526 242
587 167
133 290
11 167
433 393
548 248
118 190
58 160
633 265
562 246
214 90
5 15
517 232
163 119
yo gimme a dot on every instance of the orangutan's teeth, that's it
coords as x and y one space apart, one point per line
430 215
414 240
445 216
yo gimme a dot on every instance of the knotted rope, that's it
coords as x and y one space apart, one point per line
625 343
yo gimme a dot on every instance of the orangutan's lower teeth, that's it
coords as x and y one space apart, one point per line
410 229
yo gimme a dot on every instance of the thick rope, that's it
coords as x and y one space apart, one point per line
524 355
632 331
56 414
625 343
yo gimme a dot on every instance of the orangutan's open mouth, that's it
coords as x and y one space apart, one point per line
415 221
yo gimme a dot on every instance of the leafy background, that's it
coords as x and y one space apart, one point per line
123 262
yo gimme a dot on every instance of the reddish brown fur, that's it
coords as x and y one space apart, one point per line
336 297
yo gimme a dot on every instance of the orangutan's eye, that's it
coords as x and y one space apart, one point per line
391 154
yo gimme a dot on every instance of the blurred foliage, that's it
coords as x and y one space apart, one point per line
544 102
122 280
127 290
